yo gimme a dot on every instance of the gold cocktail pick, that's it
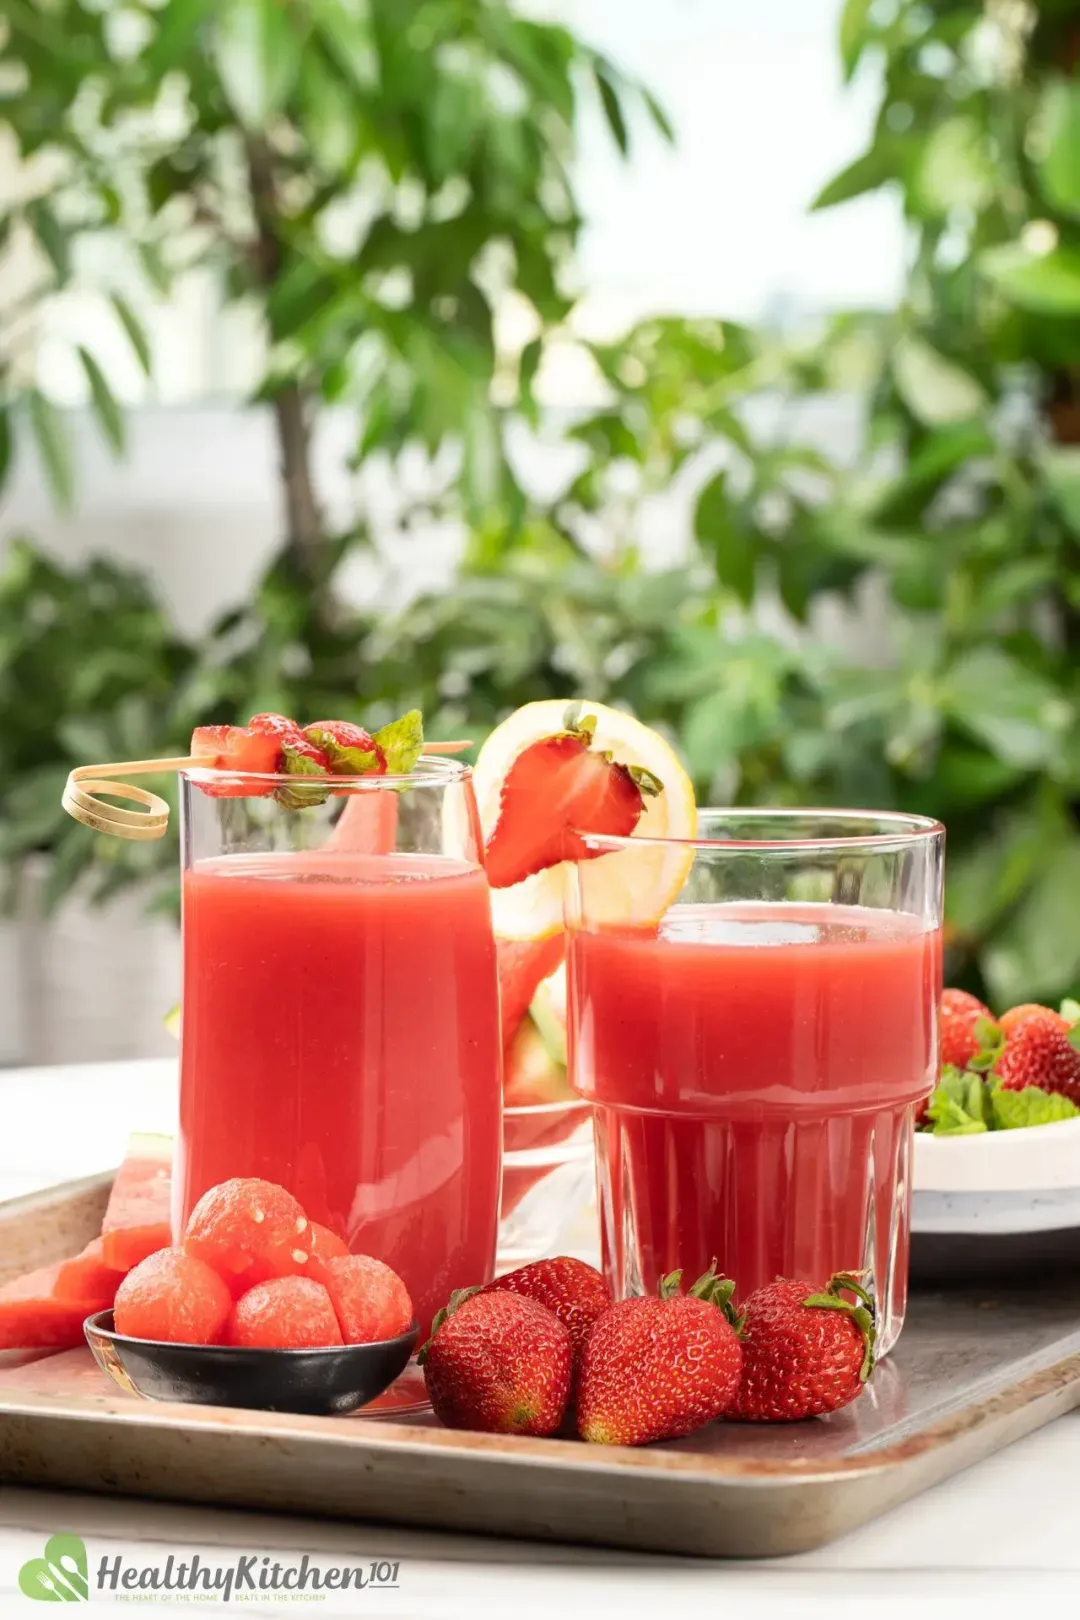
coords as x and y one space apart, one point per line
87 783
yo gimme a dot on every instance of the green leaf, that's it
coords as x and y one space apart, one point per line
1037 952
343 759
301 795
54 446
658 115
257 55
52 237
1019 716
955 169
1044 283
136 334
853 33
609 98
1056 136
960 1105
346 31
884 161
1015 1110
934 389
175 34
108 412
730 539
402 741
1061 464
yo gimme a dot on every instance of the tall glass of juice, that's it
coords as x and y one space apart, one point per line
756 1054
340 1030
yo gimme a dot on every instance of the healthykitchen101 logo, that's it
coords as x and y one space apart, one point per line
62 1575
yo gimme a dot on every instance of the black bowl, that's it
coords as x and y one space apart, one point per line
327 1382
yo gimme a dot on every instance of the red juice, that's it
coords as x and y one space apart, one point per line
755 1071
341 1036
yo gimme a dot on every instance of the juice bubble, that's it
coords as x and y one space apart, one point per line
172 1297
287 1313
249 1231
370 1299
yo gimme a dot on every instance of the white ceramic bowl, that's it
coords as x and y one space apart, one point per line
1003 1202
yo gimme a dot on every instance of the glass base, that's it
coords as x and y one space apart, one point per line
763 1198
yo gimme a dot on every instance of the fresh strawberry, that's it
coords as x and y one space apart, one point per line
499 1363
236 749
1040 1053
960 1037
806 1350
555 789
275 725
1010 1021
350 750
659 1367
575 1292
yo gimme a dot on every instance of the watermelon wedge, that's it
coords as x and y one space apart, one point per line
34 1316
87 1276
523 964
137 1221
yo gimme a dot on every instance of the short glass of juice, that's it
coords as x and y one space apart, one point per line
755 1056
340 1027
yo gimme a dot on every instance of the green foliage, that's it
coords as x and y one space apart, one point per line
897 627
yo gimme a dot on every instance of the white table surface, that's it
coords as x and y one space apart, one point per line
1001 1532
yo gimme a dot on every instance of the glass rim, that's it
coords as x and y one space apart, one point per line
886 829
431 770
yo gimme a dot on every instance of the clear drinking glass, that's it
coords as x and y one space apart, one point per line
547 1186
755 1058
340 1029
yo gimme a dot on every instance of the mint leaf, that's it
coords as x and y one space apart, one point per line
960 1105
1070 1010
991 1041
1015 1110
301 796
402 741
344 761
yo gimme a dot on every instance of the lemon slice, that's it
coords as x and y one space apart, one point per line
634 886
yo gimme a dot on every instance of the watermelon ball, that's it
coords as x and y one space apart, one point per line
323 1245
371 1301
287 1313
174 1298
249 1231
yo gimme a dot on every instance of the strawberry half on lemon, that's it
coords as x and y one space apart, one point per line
554 771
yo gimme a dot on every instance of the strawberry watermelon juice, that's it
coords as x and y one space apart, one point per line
755 1070
341 1037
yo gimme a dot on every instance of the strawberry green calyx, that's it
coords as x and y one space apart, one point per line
863 1314
710 1286
344 761
457 1298
301 795
402 741
1070 1010
647 784
579 724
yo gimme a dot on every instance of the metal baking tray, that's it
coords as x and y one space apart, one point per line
974 1370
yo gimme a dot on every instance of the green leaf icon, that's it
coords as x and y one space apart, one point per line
59 1577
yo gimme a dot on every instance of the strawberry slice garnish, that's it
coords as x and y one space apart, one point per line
555 790
350 750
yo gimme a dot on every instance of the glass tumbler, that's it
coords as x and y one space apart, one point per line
340 1027
755 1056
